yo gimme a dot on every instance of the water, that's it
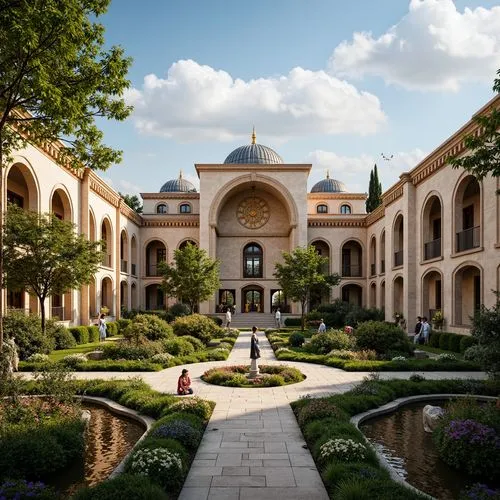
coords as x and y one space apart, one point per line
109 437
401 438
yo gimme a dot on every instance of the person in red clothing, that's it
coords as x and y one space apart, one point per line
184 384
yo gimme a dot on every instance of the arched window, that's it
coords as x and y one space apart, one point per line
345 209
162 208
185 208
252 261
322 209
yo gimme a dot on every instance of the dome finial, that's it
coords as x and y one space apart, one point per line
328 173
254 137
180 173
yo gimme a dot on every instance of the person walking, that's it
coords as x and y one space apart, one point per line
426 331
184 383
277 317
322 327
102 328
417 330
228 318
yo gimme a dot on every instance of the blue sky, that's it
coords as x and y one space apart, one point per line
330 82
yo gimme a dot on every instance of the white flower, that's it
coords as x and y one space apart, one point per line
446 357
400 359
342 449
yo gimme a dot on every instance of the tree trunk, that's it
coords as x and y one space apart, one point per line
1 243
42 312
302 317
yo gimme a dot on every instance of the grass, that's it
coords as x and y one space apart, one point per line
82 348
436 350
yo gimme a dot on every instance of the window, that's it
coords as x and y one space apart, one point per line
15 199
185 208
322 209
345 209
162 209
252 261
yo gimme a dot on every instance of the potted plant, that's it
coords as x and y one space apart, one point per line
437 320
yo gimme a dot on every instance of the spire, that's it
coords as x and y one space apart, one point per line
254 137
180 174
328 174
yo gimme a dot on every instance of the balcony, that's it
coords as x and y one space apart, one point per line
134 270
57 312
373 269
382 266
153 270
123 266
468 239
106 261
351 271
398 258
432 249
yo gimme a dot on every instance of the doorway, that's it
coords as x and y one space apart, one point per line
252 299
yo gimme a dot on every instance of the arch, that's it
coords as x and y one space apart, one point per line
93 313
22 184
252 298
155 252
321 208
431 220
123 295
124 251
345 209
382 252
107 238
352 293
253 260
351 257
185 241
133 255
155 298
92 226
373 294
398 240
133 296
161 208
382 295
467 282
432 292
246 181
107 294
185 208
467 214
60 203
398 294
373 256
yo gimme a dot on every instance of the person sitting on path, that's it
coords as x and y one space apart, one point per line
228 318
184 384
322 327
254 344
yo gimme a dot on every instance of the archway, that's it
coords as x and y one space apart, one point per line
252 299
60 205
382 295
398 241
278 299
133 296
468 293
431 227
373 295
92 300
432 293
467 217
124 295
107 295
124 252
22 187
382 253
352 258
397 297
155 298
133 251
156 252
352 294
107 238
373 256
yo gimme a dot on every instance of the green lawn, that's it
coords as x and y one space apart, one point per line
436 350
57 355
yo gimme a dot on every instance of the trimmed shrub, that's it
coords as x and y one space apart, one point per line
196 343
121 487
180 430
296 339
320 408
323 343
466 342
74 360
336 472
434 339
147 326
292 322
382 337
61 335
195 405
122 324
126 350
27 332
179 309
177 347
198 326
164 358
81 334
93 333
444 340
112 328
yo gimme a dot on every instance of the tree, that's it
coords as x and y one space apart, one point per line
301 272
133 201
44 256
55 80
484 157
374 191
193 279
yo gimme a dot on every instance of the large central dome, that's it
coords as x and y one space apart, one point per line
254 153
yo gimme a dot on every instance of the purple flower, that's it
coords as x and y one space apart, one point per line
472 432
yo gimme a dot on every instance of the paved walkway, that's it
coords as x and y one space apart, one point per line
252 447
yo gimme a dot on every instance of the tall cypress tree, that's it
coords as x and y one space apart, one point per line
374 191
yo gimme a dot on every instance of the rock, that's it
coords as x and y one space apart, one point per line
95 355
86 416
431 416
420 355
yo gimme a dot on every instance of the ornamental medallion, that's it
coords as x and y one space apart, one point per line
253 212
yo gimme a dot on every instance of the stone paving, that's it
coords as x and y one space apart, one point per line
252 447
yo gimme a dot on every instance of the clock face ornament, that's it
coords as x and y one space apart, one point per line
253 212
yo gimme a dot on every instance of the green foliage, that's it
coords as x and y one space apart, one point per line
336 472
45 255
123 486
193 278
301 272
23 490
320 408
127 350
434 339
178 347
27 332
382 337
198 326
323 343
354 489
465 342
296 339
444 339
235 376
133 201
339 314
179 309
147 327
374 191
112 329
197 343
293 321
61 335
94 335
122 324
81 334
194 405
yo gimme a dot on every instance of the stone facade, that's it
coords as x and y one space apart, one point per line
432 245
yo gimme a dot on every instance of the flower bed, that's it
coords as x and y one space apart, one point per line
349 468
236 376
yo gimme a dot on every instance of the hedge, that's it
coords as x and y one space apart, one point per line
93 333
81 334
453 342
293 322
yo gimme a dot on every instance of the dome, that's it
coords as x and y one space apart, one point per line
254 153
329 186
179 185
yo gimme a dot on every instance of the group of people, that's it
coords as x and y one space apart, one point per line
422 331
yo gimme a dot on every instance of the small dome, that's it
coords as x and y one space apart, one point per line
254 153
179 185
329 186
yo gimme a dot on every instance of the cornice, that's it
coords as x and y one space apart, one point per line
252 167
126 211
337 196
337 222
98 186
376 215
170 196
393 193
171 223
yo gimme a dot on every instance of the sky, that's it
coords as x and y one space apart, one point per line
339 84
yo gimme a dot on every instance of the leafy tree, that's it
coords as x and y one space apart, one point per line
484 148
301 273
45 256
56 78
133 201
374 191
193 278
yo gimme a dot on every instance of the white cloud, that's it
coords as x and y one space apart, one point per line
433 47
127 187
354 171
195 102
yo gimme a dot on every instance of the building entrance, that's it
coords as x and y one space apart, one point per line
252 299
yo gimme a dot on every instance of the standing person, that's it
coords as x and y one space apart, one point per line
277 316
426 331
254 344
228 317
322 327
184 384
417 330
102 328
